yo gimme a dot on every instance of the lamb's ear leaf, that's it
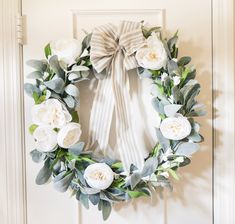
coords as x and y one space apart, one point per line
150 166
84 199
39 65
62 181
56 85
30 89
44 174
135 179
106 209
172 109
37 156
55 65
164 142
72 90
184 61
77 148
187 149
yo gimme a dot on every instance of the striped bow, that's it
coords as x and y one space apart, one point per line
112 54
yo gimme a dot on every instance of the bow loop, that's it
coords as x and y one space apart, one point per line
107 40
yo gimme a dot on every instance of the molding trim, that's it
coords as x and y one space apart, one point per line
223 102
12 160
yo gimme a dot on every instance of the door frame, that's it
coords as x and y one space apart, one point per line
13 198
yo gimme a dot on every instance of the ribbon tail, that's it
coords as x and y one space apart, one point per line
101 115
129 150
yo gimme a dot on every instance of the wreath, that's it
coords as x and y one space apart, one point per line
88 170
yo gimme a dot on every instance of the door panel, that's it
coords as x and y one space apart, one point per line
191 200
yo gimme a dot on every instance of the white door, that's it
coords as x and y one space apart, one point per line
191 200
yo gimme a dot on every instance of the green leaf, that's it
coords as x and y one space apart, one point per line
77 148
117 165
136 194
74 115
44 174
47 50
150 166
56 85
173 174
106 209
32 128
37 156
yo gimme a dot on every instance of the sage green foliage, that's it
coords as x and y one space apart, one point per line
66 166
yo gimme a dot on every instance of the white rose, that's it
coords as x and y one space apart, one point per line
67 50
153 55
46 138
175 128
51 113
99 176
69 135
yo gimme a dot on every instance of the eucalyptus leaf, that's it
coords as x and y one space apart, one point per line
44 173
56 85
77 148
37 156
187 149
150 166
172 109
72 90
54 63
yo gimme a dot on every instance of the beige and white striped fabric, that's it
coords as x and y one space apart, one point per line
112 51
